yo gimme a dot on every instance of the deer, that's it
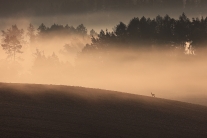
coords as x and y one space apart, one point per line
153 95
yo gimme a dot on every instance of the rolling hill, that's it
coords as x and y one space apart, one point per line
33 110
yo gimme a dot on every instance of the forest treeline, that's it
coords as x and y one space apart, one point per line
142 38
13 39
161 33
57 30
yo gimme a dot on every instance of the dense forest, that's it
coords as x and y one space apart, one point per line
160 33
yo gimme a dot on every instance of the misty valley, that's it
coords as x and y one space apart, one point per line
163 55
103 68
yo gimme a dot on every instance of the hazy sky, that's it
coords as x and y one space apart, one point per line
55 7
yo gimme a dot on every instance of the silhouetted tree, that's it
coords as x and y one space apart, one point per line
60 31
39 58
93 33
42 61
145 32
81 30
198 32
42 28
12 41
120 29
70 29
182 31
31 33
164 29
133 30
42 31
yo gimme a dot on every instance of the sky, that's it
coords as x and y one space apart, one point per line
54 7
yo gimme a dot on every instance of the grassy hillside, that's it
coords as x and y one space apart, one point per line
64 111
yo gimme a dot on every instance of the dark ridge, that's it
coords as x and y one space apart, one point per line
34 110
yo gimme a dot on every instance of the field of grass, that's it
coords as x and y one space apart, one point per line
33 110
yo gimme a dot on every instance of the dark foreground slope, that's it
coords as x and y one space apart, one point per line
62 111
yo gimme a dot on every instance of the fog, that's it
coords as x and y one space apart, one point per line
61 61
138 71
